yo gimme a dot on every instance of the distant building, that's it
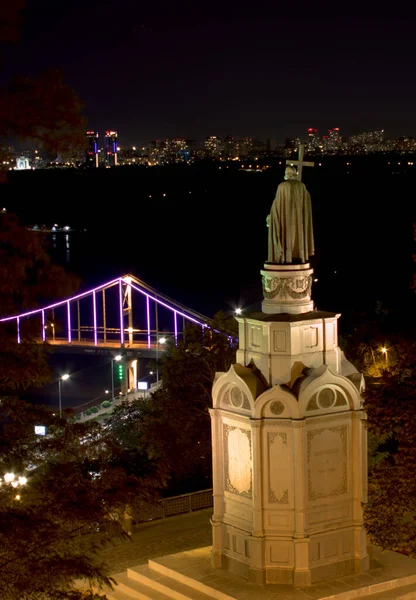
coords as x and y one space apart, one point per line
230 148
313 142
214 147
22 163
366 142
332 142
170 151
92 149
110 148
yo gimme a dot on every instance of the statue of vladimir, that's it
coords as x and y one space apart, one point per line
290 222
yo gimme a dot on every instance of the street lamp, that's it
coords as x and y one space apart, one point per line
384 351
63 378
161 340
116 358
238 311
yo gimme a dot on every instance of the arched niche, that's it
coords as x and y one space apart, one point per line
324 392
236 390
277 403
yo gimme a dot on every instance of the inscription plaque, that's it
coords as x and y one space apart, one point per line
327 462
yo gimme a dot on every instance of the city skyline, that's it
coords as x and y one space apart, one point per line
175 72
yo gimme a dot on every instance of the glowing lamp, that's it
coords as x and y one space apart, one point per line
9 477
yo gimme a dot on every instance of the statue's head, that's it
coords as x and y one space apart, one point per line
291 173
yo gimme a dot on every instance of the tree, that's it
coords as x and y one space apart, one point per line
44 109
51 526
28 278
390 402
78 478
173 425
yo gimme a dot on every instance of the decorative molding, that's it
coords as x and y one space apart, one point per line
229 415
271 437
326 398
236 397
341 399
359 414
298 424
312 404
345 415
277 407
287 288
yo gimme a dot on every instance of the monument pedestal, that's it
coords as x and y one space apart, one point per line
287 288
289 454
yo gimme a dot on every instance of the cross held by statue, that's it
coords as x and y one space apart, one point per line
300 163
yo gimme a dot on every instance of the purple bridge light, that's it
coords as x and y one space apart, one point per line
109 307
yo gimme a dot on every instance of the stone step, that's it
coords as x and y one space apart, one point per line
400 593
130 589
169 586
188 581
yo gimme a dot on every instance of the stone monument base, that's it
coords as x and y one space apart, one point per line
287 288
189 574
286 576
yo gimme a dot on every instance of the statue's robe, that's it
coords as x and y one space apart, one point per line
290 225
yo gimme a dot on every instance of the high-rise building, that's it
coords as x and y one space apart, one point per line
110 148
230 147
92 149
213 146
332 142
312 142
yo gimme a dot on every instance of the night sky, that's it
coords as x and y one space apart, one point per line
161 70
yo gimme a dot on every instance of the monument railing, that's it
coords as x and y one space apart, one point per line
176 505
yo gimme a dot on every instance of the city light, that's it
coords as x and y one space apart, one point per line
162 340
65 377
238 311
9 477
